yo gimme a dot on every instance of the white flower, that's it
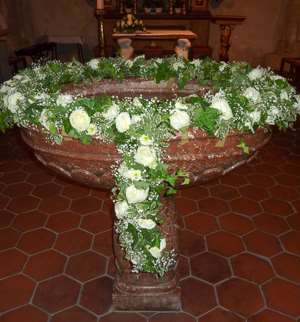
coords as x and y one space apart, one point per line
137 102
135 119
93 63
123 122
121 209
135 195
146 223
145 156
146 140
129 63
155 251
222 66
252 94
255 116
44 118
180 106
179 119
80 120
196 62
272 115
43 97
276 77
133 174
5 88
222 105
64 100
177 65
112 112
12 101
297 104
256 73
92 129
284 95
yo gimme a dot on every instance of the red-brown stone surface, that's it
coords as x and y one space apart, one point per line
28 282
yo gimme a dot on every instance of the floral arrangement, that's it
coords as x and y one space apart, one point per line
241 99
129 23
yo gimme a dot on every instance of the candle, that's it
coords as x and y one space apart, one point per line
100 4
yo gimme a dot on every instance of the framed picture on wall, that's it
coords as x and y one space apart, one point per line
199 5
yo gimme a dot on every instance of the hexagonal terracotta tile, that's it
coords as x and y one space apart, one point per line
277 207
86 205
271 224
34 241
288 180
124 317
262 243
291 242
201 223
245 206
56 294
240 296
252 268
63 221
103 243
190 243
213 206
236 224
294 221
224 192
288 266
14 177
6 218
8 238
15 291
210 267
40 177
269 316
3 201
96 223
234 180
261 180
197 297
47 190
87 265
167 317
289 303
54 204
45 265
74 241
18 189
23 204
185 206
220 315
96 295
27 312
29 221
14 262
254 192
75 191
224 243
195 193
284 193
74 314
183 267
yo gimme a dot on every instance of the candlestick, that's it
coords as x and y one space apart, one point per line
100 4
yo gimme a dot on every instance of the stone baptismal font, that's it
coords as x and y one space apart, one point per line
144 129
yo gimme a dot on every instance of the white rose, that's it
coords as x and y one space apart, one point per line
145 156
146 140
5 89
222 105
92 129
256 73
112 112
276 77
123 122
64 100
121 209
44 118
135 195
13 100
255 116
252 94
146 223
80 120
179 119
132 174
155 252
93 63
181 106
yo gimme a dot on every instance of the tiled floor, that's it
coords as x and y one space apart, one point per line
239 243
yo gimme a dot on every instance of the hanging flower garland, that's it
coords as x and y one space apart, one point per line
241 99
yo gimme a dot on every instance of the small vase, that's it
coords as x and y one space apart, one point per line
158 10
177 11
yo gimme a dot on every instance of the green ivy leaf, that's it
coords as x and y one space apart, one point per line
243 145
